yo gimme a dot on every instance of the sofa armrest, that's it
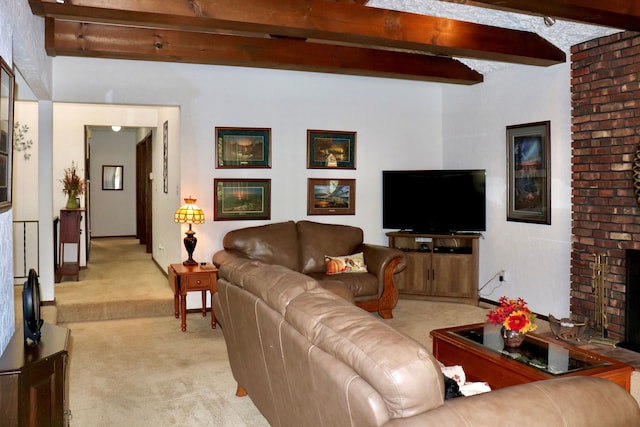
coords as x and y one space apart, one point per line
378 258
383 262
570 402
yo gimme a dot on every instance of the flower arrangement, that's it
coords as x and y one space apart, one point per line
513 315
71 183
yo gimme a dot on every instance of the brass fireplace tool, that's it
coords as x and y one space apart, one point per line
600 323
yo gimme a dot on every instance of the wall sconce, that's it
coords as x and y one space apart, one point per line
189 213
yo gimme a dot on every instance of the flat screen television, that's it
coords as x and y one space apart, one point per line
434 201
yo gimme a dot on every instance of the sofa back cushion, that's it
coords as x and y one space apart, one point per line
275 243
402 371
317 240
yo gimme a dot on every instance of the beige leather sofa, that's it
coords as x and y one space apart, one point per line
301 246
307 357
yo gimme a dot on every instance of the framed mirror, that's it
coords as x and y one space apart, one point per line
112 177
7 81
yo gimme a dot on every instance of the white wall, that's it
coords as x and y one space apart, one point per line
21 31
69 120
536 257
113 212
25 200
398 125
25 171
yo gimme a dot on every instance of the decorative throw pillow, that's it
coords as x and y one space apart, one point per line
345 264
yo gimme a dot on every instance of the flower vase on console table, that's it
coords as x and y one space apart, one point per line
73 186
516 320
72 201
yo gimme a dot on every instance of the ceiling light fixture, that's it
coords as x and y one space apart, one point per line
116 128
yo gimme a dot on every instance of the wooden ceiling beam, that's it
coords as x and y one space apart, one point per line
113 41
623 14
338 22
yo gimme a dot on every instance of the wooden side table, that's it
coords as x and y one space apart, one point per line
183 279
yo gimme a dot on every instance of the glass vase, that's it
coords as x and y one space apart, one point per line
511 338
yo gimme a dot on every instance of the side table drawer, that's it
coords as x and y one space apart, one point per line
200 281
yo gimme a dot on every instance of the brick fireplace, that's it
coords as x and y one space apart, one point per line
605 79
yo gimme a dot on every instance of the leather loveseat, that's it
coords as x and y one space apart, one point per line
307 357
301 246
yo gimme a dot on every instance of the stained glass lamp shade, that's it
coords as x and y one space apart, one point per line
189 213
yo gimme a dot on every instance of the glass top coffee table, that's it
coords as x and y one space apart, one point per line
479 349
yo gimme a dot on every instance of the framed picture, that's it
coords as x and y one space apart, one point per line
529 173
112 177
243 147
331 196
331 149
7 82
165 156
239 199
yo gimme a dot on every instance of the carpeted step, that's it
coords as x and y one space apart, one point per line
110 310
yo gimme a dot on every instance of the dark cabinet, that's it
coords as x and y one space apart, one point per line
69 238
33 380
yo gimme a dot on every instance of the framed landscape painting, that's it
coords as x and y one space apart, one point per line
240 199
528 173
7 82
331 196
328 149
243 147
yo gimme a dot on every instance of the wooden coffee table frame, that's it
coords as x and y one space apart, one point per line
499 371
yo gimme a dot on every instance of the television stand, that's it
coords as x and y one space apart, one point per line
440 267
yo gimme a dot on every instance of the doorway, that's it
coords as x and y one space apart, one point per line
123 210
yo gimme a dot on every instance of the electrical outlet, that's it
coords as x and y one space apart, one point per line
502 276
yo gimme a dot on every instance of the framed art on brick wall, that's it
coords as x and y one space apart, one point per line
529 173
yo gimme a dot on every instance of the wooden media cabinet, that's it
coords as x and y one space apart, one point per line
440 267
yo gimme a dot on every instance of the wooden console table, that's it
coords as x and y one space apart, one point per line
479 350
184 279
33 379
69 235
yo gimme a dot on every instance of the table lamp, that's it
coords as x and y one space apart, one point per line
189 213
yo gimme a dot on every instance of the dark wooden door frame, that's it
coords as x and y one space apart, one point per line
144 193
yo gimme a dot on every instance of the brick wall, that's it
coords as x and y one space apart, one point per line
605 102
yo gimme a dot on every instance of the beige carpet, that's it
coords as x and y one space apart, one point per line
144 371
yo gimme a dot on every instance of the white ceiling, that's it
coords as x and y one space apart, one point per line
563 34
